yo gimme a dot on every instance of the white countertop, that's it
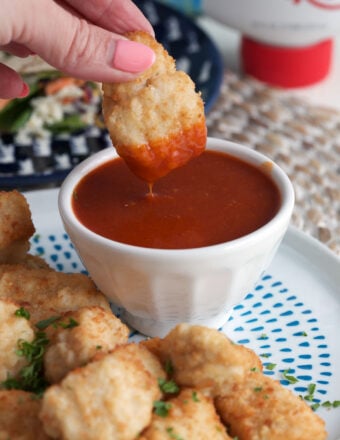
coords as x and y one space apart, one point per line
227 40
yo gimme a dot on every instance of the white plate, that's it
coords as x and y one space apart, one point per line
291 317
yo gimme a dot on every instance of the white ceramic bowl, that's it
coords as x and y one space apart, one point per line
160 288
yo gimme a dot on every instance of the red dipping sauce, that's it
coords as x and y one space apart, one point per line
213 199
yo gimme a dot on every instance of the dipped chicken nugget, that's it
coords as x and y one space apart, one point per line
13 328
16 227
190 415
156 122
111 398
260 408
45 292
78 336
204 358
19 416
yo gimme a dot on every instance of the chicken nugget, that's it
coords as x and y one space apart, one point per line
78 336
111 398
260 408
191 415
16 227
13 328
19 416
156 122
45 292
206 359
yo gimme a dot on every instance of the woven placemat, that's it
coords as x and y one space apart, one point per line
303 139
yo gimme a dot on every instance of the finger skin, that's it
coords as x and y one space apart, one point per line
64 40
11 84
114 15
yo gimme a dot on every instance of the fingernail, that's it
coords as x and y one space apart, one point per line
25 91
133 57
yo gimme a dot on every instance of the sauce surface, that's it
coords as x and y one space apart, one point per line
213 199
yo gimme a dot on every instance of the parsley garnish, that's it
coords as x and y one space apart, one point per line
270 366
22 313
257 389
71 324
168 386
42 325
291 379
194 396
169 368
161 408
30 377
172 434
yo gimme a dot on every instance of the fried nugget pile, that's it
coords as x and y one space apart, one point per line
156 122
68 371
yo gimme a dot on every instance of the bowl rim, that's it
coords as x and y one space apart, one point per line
243 152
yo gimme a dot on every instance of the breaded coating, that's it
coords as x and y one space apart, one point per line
191 416
19 416
45 292
156 122
206 359
260 408
111 398
88 331
12 329
16 227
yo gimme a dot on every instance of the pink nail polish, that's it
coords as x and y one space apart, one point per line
25 91
133 57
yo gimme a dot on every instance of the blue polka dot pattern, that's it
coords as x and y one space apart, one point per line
271 320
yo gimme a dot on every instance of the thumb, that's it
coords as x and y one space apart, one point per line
78 47
11 84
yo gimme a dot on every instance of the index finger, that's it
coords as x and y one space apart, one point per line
118 16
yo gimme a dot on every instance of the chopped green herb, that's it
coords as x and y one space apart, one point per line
169 368
311 388
304 334
161 408
257 389
327 404
270 366
263 336
98 347
172 434
265 355
315 406
291 379
194 396
71 324
168 386
22 313
42 325
255 369
30 377
336 403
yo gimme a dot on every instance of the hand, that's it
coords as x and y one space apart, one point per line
79 37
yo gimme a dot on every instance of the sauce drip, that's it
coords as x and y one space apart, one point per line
213 199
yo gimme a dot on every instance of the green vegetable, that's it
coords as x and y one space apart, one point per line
194 396
161 408
270 367
42 325
291 379
17 112
172 434
30 377
22 313
168 386
71 324
69 124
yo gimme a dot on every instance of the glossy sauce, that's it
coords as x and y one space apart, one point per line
213 199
